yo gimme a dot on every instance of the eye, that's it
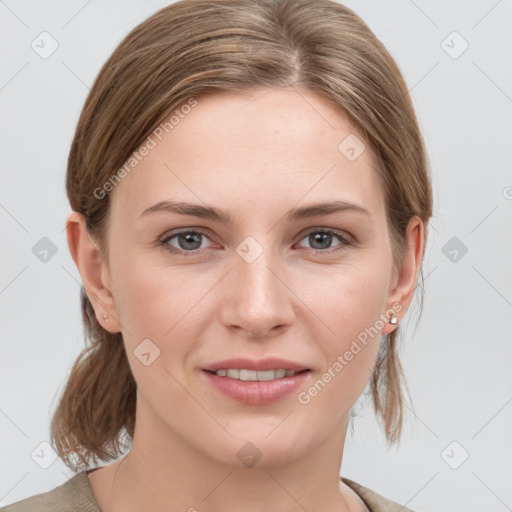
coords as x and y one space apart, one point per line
322 239
188 242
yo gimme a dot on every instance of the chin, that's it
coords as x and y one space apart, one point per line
259 449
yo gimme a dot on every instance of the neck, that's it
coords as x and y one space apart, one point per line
163 472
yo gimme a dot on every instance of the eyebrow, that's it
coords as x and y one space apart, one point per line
212 213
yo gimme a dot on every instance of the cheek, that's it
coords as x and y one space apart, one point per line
351 299
161 303
350 308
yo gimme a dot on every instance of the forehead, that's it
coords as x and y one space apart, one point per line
266 147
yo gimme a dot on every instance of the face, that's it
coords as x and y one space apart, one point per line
309 289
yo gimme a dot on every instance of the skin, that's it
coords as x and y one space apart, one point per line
257 155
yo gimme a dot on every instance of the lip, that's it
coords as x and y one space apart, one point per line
269 363
256 392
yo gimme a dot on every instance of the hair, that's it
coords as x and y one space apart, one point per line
191 48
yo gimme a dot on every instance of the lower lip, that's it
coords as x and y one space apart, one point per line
256 392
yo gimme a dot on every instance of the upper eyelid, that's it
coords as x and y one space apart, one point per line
170 234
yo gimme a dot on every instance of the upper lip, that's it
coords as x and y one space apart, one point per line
270 363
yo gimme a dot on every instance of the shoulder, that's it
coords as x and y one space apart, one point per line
374 501
73 495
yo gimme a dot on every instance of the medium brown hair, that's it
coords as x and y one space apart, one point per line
195 47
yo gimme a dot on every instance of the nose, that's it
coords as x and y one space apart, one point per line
257 299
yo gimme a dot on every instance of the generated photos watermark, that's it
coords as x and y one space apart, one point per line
151 142
304 397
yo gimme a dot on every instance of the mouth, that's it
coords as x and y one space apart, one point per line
256 387
254 375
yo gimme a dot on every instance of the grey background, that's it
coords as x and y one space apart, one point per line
457 361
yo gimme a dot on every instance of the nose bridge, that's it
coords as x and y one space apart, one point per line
258 282
258 279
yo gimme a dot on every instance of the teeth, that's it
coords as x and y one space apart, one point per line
253 375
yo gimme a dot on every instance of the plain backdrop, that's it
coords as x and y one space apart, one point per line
456 57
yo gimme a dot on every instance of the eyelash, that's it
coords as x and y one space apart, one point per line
347 241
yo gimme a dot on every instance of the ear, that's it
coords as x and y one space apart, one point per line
404 282
93 271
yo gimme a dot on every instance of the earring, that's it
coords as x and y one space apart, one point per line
105 317
393 319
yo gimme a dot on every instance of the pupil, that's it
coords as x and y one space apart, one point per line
319 236
193 238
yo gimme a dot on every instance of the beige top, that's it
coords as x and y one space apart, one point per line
75 495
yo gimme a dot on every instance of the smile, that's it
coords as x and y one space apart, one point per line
253 375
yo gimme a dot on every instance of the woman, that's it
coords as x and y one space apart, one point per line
250 196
